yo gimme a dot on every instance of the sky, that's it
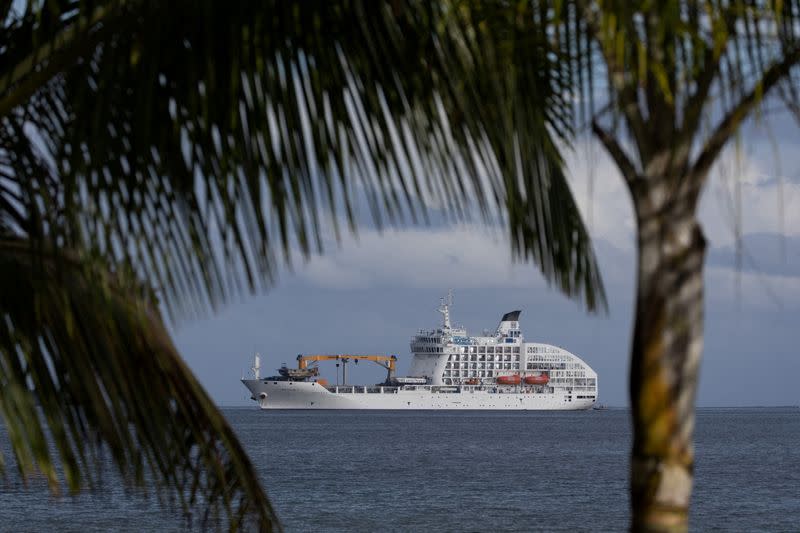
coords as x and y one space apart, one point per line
371 294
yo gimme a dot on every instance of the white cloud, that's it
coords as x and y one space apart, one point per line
609 213
762 197
602 195
476 256
461 256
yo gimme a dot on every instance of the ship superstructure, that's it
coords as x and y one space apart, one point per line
449 370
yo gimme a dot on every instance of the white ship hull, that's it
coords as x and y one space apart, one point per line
449 370
309 395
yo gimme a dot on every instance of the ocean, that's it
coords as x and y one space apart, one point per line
463 471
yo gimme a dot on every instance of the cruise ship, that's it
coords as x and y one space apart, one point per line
449 370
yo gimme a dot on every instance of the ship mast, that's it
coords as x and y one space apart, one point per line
444 308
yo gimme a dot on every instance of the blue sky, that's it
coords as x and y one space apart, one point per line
370 294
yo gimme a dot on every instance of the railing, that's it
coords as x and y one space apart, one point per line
361 389
441 389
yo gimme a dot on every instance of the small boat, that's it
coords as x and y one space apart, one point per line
541 379
509 380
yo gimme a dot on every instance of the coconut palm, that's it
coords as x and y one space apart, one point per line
167 156
164 157
680 79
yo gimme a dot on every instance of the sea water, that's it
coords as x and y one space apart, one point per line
462 471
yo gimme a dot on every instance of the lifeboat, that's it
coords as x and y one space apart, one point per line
508 380
541 379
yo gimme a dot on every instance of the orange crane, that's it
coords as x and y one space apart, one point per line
389 362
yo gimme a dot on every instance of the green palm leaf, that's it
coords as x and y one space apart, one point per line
259 132
197 145
86 359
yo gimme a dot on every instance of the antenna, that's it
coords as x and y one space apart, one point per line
444 308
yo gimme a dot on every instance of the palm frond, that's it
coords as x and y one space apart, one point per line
669 68
86 360
189 147
235 133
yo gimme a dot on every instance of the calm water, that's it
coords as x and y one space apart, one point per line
383 471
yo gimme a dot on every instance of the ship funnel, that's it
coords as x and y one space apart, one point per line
509 324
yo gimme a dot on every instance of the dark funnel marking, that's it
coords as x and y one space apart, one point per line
513 316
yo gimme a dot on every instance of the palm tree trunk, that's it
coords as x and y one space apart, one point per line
666 351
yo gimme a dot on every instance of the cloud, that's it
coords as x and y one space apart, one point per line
765 203
763 142
766 275
768 203
601 195
764 253
473 255
461 256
